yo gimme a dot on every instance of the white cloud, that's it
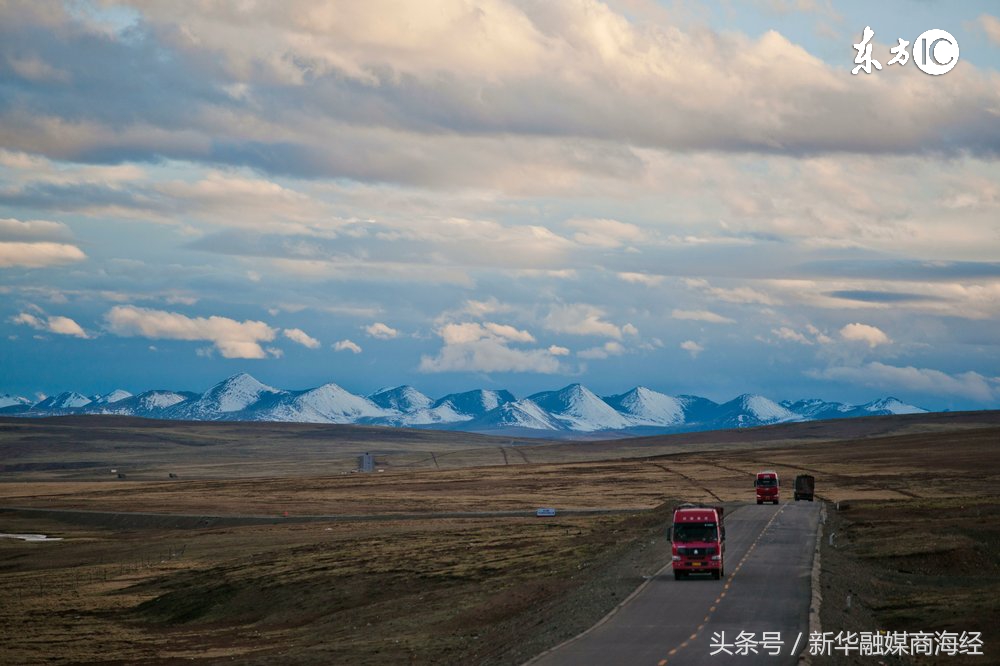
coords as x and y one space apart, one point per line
54 324
922 380
746 295
484 308
233 339
692 347
580 319
347 345
610 348
456 334
32 230
38 255
474 347
381 331
701 315
820 336
991 28
786 333
641 278
509 332
870 335
301 337
66 326
604 233
561 55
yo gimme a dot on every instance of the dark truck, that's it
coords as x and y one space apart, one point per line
698 540
805 486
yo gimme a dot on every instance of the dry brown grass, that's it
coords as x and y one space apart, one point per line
475 590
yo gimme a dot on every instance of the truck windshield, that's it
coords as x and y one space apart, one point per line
767 482
685 532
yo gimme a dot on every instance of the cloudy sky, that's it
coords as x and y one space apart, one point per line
699 198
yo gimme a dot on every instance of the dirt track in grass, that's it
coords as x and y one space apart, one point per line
475 590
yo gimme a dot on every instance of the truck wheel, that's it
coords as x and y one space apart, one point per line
760 501
775 502
716 574
678 575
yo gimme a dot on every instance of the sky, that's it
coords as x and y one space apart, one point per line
700 198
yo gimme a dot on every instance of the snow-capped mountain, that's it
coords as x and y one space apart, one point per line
66 400
148 403
475 403
451 409
112 397
750 410
401 399
7 400
519 414
574 408
227 397
886 406
697 409
646 407
328 403
814 408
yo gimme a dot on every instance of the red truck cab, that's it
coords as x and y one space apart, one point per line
698 540
766 486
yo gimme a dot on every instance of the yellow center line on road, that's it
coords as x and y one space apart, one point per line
722 594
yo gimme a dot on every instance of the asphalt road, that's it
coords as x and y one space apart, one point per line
769 551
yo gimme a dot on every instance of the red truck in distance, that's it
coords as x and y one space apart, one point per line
698 540
766 486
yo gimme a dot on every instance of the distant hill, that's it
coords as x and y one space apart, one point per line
566 412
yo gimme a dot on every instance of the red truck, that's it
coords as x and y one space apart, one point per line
766 485
698 540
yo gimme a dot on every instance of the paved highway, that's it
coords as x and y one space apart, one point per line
769 551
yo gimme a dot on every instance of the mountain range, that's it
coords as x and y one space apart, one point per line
572 409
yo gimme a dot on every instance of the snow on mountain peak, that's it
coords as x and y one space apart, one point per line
113 396
648 407
328 403
234 394
765 409
518 414
400 398
475 402
571 408
8 400
578 408
750 410
891 405
65 400
159 399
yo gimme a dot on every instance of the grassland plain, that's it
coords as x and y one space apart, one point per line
477 589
